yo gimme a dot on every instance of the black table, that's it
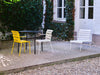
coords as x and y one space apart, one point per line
27 32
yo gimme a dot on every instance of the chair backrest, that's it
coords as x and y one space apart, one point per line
16 36
84 34
48 34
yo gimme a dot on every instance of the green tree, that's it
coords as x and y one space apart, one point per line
25 14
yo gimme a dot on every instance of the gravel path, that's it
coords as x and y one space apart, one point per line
84 67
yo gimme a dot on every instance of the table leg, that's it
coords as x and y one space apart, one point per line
18 47
41 46
26 39
35 44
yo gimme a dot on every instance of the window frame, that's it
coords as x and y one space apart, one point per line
87 6
82 7
55 11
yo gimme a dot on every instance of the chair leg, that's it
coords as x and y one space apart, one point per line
20 49
90 45
29 48
12 48
51 47
24 47
39 47
70 46
80 47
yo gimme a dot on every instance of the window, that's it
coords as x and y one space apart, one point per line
59 10
82 9
90 9
86 9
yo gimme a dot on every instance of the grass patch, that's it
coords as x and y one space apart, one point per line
1 73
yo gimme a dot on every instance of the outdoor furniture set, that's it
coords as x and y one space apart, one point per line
83 36
16 39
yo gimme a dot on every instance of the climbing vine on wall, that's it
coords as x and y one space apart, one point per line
70 18
27 14
24 14
62 31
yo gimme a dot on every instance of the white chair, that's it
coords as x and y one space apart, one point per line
48 36
84 36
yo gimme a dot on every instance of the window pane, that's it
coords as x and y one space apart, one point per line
82 2
91 2
64 13
82 13
59 11
59 3
90 13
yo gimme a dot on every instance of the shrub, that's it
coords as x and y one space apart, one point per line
65 30
25 14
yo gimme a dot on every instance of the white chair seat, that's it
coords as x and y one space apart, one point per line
76 41
44 40
83 36
47 38
79 41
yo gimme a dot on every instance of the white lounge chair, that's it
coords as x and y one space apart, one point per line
48 36
84 36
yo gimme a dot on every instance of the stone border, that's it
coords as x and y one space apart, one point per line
48 64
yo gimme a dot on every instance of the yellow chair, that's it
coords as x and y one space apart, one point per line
16 38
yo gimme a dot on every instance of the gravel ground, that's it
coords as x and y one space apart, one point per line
83 67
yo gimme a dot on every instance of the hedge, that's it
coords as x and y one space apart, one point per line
27 14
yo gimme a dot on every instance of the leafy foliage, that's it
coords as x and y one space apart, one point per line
62 31
1 6
26 14
70 18
49 14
